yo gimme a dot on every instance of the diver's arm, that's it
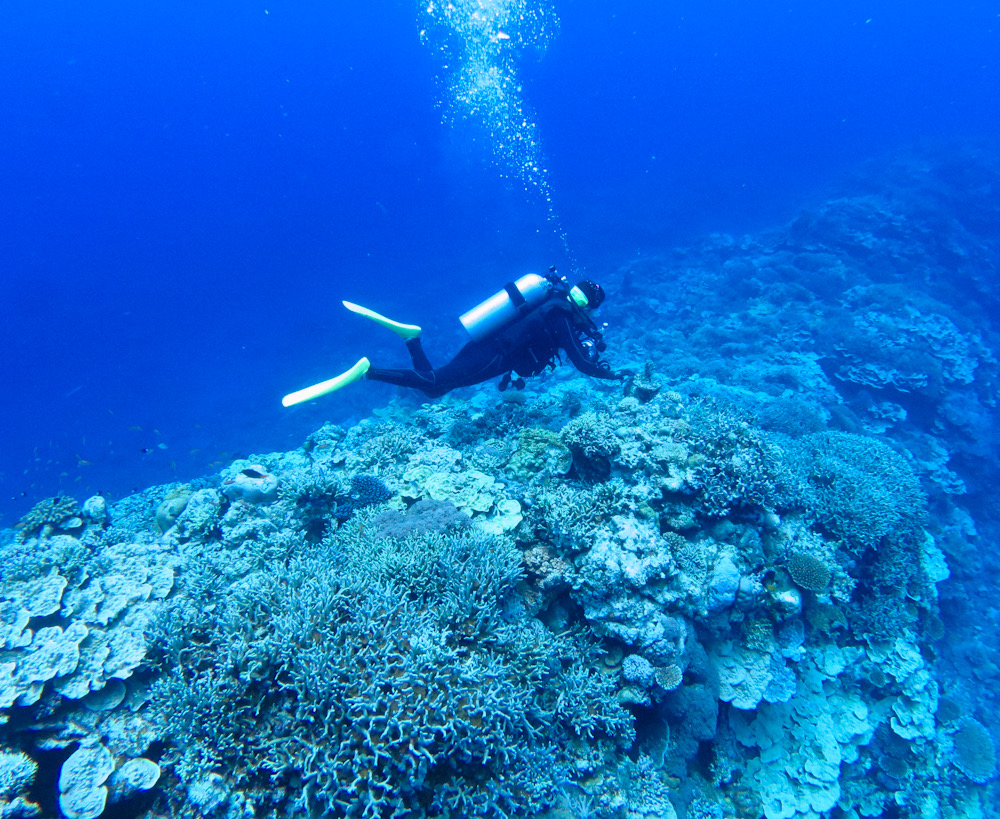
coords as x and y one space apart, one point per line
567 340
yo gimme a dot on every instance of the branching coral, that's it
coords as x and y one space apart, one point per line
859 488
733 465
321 496
394 685
48 513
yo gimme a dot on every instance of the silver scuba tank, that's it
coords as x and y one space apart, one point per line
503 307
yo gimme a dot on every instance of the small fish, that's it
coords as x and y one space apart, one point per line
135 428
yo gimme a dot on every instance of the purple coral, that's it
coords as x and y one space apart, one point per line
425 516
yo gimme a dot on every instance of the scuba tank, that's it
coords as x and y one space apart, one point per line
503 307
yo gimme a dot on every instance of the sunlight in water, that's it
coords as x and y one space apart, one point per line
479 42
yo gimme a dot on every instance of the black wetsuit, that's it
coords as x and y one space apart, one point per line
526 347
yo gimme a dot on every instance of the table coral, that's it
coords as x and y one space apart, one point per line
860 489
47 514
974 752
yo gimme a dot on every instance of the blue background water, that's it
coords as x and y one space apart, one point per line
189 189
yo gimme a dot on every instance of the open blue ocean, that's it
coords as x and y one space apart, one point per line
754 574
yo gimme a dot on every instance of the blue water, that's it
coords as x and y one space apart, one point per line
189 189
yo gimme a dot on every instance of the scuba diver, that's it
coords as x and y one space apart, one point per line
519 330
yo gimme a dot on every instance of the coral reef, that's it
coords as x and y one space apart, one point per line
756 583
403 688
50 514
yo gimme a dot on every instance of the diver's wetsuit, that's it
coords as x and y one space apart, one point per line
526 347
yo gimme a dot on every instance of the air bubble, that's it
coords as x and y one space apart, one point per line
480 42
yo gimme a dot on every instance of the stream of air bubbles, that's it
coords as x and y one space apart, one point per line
479 43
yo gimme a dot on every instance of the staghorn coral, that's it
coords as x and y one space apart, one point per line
394 685
860 490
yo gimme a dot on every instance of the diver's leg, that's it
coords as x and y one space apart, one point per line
423 381
476 362
417 355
